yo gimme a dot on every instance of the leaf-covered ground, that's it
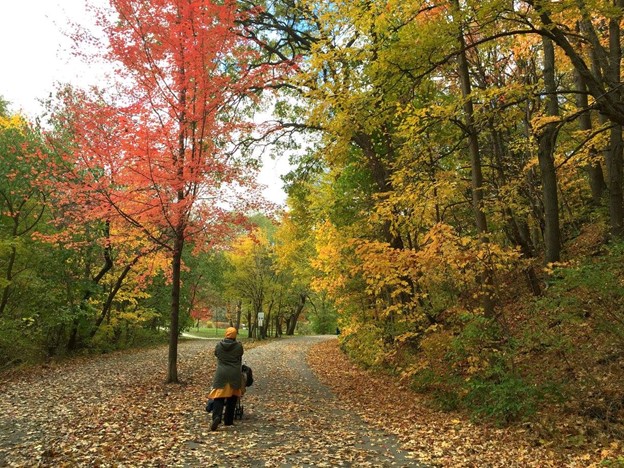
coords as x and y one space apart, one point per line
115 410
445 439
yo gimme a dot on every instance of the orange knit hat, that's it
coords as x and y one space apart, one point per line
231 333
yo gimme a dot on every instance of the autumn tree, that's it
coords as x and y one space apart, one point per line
156 149
293 252
48 292
598 65
251 277
22 199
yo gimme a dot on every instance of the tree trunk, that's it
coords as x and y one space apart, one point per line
381 176
475 166
265 325
594 169
603 83
514 233
239 313
72 344
15 212
111 296
614 171
546 147
294 317
607 97
248 323
278 326
614 160
178 241
172 369
9 269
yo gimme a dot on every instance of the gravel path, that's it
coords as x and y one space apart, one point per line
115 411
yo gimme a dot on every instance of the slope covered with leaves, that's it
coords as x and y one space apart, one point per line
449 438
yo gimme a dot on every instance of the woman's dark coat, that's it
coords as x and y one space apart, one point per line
229 361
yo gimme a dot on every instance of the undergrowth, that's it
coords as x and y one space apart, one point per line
554 362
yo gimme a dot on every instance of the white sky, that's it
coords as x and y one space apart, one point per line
35 54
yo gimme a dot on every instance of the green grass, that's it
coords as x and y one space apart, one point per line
210 332
206 332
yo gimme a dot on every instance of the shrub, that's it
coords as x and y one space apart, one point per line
502 397
18 342
365 345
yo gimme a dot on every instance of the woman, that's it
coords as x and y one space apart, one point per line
226 386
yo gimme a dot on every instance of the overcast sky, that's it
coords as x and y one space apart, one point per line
35 54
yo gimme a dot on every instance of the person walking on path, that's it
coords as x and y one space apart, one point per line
227 382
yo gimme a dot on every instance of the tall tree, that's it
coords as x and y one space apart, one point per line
157 147
547 138
22 198
475 156
251 277
600 72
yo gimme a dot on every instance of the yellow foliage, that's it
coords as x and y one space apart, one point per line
540 121
293 249
14 121
330 261
434 347
443 258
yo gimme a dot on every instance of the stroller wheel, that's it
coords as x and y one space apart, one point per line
238 412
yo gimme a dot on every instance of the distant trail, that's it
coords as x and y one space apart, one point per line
114 409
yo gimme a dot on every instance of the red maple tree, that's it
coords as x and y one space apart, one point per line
157 148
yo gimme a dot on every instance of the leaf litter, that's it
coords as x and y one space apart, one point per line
116 410
437 438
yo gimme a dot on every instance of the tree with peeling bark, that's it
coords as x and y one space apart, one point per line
157 149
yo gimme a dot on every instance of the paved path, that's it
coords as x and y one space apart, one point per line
114 410
291 419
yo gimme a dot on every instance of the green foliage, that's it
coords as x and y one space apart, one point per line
478 335
208 331
445 390
4 106
124 335
589 293
159 300
365 345
614 463
479 372
500 396
324 322
305 329
19 342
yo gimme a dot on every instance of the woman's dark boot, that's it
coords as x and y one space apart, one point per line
215 423
217 411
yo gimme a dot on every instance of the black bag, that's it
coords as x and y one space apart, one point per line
248 375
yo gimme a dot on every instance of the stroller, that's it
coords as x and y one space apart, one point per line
247 381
